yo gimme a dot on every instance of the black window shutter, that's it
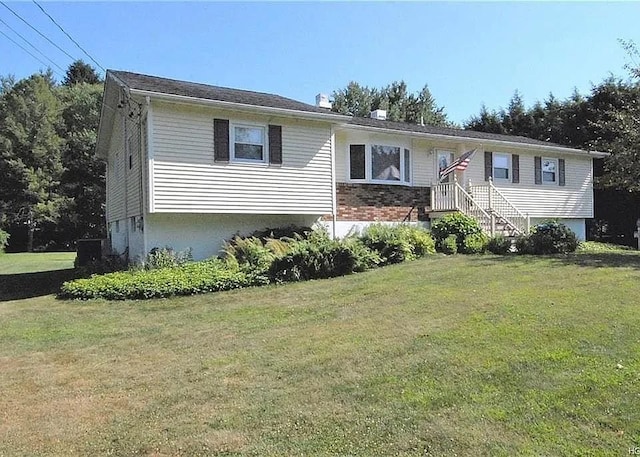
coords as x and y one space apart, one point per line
488 165
356 161
561 173
515 168
221 140
537 162
275 144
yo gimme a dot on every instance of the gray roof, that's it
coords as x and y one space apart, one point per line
207 92
246 97
447 131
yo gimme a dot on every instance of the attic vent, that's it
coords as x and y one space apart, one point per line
380 114
322 101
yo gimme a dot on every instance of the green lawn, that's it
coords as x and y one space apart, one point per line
25 262
24 275
459 355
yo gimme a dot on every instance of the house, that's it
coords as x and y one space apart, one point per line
190 165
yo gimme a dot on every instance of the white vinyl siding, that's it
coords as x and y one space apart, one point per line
186 178
549 200
115 174
124 183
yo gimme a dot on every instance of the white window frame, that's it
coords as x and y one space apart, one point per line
368 164
556 181
509 167
232 142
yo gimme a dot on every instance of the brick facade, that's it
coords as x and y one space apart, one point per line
379 202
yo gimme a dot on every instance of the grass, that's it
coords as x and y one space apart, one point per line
25 275
456 355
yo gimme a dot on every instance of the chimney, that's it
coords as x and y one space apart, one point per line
380 114
322 101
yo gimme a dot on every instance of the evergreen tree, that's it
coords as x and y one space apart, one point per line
79 73
30 158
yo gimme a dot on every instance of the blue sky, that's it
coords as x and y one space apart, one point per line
468 53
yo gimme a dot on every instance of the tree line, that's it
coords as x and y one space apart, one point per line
52 190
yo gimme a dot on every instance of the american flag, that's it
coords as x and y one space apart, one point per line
459 164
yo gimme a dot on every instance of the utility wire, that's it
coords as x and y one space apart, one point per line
37 31
29 43
27 51
69 36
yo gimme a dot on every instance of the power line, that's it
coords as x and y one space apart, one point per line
27 51
37 31
69 36
29 43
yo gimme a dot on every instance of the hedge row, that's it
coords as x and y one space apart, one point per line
192 278
257 260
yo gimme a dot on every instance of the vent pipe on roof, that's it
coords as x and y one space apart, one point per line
322 101
380 114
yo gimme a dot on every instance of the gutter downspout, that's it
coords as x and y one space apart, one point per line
334 215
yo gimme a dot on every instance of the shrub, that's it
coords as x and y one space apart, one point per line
457 224
190 278
389 242
249 254
4 240
314 258
166 257
552 238
449 245
523 245
397 243
290 231
499 245
420 240
475 243
364 257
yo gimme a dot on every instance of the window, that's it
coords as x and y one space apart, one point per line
248 143
117 226
379 163
133 223
549 171
444 159
500 166
385 163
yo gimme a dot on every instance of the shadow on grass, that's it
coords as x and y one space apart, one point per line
28 285
618 259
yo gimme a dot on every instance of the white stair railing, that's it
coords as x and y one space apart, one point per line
482 201
506 214
451 196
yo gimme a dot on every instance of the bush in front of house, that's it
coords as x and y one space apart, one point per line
187 279
499 244
249 254
166 257
475 243
319 257
397 243
448 246
4 240
549 237
457 224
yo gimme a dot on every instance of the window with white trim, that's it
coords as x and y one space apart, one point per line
501 169
549 171
380 163
248 143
